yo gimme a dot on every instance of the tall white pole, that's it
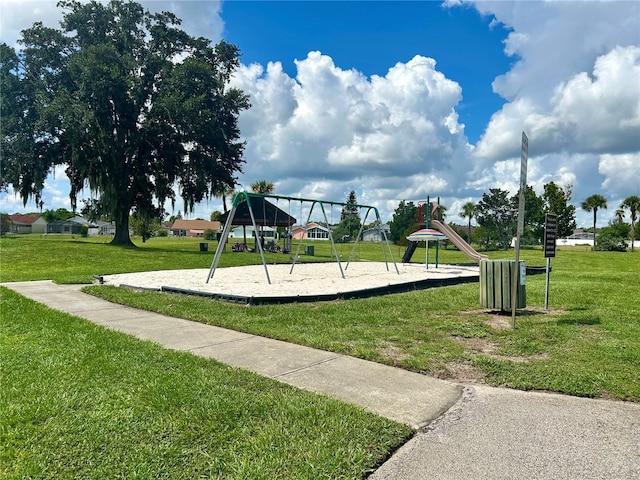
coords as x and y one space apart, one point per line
524 157
546 286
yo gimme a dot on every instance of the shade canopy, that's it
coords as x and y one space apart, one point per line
265 214
426 234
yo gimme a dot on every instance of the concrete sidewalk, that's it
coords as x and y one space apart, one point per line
498 433
474 432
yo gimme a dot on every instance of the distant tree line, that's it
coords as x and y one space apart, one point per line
496 215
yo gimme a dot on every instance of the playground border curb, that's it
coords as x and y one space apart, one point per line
351 295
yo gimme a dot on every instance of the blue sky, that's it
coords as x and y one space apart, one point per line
400 100
373 36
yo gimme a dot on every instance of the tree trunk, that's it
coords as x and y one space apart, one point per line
122 230
594 228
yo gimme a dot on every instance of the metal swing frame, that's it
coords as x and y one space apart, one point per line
247 196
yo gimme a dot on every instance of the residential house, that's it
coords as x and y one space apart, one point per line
27 224
193 228
268 233
314 231
578 237
103 228
71 226
376 234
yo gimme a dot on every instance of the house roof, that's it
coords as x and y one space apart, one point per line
77 220
309 227
19 219
180 224
378 228
264 212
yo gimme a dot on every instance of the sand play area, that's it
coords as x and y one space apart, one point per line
306 280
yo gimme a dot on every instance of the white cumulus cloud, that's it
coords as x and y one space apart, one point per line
385 136
574 88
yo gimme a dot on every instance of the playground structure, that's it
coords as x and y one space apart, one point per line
433 221
311 281
254 209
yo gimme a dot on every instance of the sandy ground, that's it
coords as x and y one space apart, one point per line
306 279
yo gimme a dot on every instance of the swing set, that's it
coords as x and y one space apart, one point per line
253 201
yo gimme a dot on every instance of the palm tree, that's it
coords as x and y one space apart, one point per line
262 186
632 203
223 194
592 204
468 211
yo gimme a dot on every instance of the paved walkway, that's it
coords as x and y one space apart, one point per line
465 432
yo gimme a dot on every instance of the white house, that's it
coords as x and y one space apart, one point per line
375 234
267 232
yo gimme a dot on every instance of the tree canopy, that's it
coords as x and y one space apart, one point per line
497 214
350 221
592 204
468 211
632 203
133 106
403 223
533 216
350 209
262 186
556 200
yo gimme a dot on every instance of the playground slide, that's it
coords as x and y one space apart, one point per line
457 240
408 253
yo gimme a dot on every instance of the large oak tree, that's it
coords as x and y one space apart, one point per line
132 105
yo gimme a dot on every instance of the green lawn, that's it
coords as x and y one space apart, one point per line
588 344
82 401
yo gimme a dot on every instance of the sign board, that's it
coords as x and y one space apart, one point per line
524 159
550 230
523 273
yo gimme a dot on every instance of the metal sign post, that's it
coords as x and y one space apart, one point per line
524 158
550 231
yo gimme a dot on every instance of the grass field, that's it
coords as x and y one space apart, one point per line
81 401
588 344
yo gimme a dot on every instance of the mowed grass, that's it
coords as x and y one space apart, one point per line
588 344
67 259
81 401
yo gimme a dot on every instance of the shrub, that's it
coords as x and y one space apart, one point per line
610 242
613 237
5 223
